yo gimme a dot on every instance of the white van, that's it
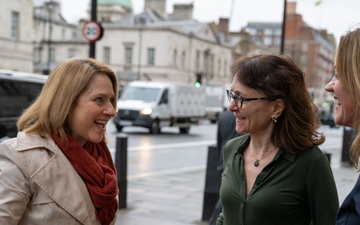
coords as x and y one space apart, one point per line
159 104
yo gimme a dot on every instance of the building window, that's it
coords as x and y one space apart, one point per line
268 41
128 56
206 61
151 56
175 57
183 58
304 47
303 59
52 55
37 55
219 68
71 53
212 62
106 55
277 41
197 62
15 25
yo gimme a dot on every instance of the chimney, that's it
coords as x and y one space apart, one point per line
157 5
183 11
223 26
291 8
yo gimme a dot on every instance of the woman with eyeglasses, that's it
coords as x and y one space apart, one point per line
275 174
345 86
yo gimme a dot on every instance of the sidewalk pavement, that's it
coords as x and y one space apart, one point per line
176 197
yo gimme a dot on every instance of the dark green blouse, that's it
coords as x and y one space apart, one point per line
294 189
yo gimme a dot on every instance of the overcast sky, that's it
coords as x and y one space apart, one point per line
333 15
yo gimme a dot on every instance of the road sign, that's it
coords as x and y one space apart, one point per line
92 31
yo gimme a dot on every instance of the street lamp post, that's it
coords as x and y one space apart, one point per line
92 46
139 54
283 30
50 8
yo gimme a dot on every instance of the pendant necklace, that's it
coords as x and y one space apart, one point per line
257 161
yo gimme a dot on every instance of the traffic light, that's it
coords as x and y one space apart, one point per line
198 79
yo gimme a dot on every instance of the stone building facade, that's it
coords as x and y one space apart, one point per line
155 45
16 35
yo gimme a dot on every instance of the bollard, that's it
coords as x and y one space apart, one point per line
212 182
348 137
328 156
121 167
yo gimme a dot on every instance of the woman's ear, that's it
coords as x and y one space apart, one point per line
278 107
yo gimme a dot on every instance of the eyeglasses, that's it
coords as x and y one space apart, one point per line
240 100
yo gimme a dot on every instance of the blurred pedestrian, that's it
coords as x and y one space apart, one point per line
345 85
275 174
225 131
59 170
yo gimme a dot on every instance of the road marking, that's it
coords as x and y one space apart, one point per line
166 146
162 147
166 172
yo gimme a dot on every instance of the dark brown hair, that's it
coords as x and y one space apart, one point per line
278 77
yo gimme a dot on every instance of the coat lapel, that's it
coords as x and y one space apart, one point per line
65 186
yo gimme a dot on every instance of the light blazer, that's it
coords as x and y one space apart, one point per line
38 185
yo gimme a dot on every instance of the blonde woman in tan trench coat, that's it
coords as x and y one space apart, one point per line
58 169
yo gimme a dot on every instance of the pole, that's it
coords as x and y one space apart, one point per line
50 6
283 30
121 168
139 55
93 17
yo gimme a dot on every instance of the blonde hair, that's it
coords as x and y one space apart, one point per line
48 114
348 70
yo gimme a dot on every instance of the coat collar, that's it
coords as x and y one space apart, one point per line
57 177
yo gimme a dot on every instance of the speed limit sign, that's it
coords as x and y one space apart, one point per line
92 31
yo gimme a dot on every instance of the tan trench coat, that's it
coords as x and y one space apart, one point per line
38 185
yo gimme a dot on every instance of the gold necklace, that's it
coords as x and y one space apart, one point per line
257 161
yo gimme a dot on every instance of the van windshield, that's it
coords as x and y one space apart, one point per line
145 94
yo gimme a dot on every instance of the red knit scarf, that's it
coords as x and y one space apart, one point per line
94 164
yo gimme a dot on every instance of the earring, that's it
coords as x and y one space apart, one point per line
274 120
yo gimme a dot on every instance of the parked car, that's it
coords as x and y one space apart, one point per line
327 119
17 91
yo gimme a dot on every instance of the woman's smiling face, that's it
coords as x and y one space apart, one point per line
92 111
254 116
344 103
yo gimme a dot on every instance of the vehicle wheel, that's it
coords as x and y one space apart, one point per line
213 120
184 130
155 128
118 127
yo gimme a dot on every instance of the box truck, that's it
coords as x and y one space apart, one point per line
154 105
216 101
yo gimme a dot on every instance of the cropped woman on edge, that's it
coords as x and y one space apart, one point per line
345 86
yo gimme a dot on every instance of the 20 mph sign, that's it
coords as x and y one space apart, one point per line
92 31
